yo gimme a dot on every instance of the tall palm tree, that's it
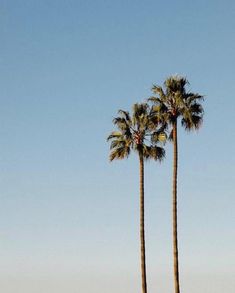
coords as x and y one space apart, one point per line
140 134
172 103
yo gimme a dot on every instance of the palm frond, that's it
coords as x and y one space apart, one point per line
122 124
160 94
114 134
119 153
153 152
196 108
154 100
116 143
191 97
193 123
125 115
158 136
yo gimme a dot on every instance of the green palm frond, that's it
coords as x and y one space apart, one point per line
114 134
117 143
155 100
196 108
153 152
125 115
119 153
194 122
158 136
140 114
158 90
191 97
121 123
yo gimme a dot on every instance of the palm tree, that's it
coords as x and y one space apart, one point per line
171 103
140 134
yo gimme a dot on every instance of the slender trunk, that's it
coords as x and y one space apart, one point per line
175 234
142 236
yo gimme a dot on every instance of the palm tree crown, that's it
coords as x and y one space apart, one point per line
137 132
174 102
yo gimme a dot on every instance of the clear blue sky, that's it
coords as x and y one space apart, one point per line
68 217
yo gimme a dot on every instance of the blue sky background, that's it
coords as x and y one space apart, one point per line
68 217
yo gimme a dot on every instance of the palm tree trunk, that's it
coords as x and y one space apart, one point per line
175 233
142 236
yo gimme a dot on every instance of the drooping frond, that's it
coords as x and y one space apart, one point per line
126 116
191 97
158 90
158 136
153 152
194 122
120 145
119 153
114 134
155 100
159 115
192 112
121 123
196 108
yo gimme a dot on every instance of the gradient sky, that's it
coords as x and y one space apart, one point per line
69 218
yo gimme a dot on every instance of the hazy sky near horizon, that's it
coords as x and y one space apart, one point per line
68 218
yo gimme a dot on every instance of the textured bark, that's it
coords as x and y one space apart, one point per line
175 232
142 232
